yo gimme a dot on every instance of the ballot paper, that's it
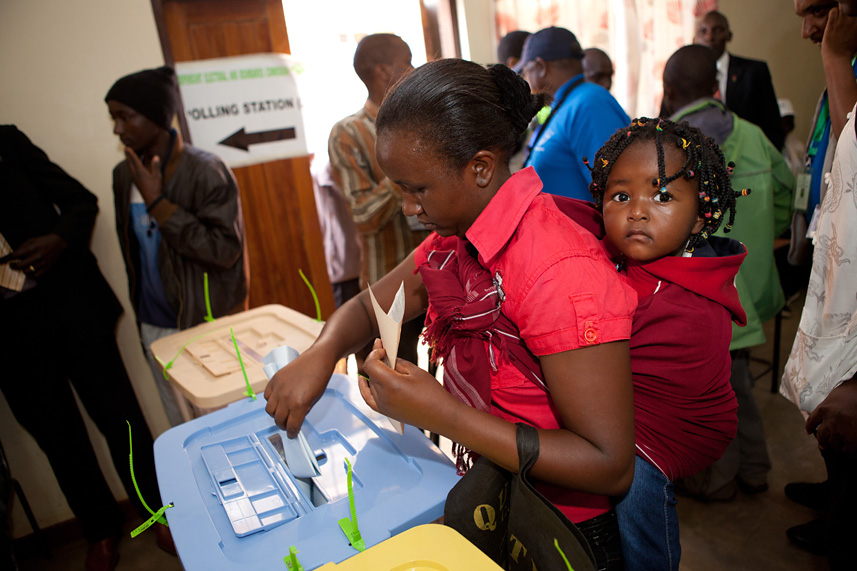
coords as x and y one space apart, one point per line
295 452
390 330
297 455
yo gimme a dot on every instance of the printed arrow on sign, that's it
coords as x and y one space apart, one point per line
242 140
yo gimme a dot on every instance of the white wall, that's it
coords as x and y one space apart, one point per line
58 58
476 30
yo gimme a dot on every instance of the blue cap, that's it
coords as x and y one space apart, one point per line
550 44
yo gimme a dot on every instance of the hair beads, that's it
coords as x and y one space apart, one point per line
710 169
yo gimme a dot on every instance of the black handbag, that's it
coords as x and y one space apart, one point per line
503 515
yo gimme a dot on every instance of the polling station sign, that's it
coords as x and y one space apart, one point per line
245 109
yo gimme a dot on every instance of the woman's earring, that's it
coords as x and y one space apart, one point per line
481 178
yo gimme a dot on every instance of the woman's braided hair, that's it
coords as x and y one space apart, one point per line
704 162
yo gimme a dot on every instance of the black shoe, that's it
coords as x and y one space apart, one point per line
103 555
809 536
812 495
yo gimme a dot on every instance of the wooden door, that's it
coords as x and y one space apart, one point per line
283 234
440 29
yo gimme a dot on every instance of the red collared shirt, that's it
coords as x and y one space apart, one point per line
560 290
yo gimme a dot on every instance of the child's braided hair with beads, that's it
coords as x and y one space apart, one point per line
704 162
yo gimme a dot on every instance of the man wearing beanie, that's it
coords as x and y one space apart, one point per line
583 115
178 216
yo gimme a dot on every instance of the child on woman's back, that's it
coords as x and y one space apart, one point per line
663 190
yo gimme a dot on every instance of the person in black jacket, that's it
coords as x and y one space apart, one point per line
178 220
58 318
745 84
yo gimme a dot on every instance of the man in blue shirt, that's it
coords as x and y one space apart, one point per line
583 115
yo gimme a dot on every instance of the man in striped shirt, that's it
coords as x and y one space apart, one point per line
374 200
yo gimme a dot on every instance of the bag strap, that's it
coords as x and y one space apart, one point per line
528 447
528 453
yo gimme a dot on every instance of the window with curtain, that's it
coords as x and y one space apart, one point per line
639 36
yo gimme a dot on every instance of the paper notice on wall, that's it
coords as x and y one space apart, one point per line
390 331
245 109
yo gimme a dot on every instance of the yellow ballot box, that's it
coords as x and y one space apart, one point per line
428 547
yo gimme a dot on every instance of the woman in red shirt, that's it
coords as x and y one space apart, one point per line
523 304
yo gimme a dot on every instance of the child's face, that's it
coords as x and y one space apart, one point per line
443 201
640 221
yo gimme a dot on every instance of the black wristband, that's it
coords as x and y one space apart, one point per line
154 203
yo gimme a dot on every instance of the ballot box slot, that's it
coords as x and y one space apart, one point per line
308 485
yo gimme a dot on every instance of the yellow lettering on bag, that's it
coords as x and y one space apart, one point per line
504 494
485 517
516 548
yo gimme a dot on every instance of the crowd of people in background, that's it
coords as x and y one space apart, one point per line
600 278
731 100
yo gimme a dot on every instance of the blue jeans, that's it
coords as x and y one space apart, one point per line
169 395
648 521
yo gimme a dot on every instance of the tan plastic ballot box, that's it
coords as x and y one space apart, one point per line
205 367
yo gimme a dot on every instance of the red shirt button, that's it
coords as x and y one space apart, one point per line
590 335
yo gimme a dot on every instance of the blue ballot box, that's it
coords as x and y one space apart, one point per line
239 506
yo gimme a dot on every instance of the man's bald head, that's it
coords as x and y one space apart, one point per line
690 74
597 67
713 32
378 49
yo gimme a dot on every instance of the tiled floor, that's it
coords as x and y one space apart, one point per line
746 533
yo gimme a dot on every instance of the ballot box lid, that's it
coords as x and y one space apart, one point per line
203 362
238 506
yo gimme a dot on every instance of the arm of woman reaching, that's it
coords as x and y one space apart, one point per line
295 388
591 388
